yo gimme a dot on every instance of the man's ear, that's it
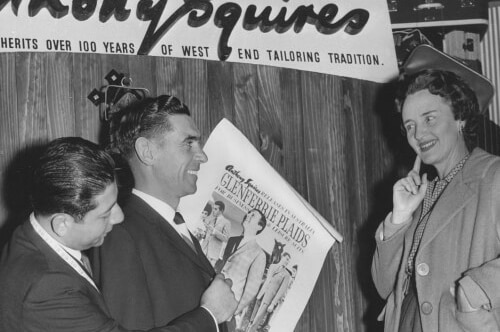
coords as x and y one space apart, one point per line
144 150
61 223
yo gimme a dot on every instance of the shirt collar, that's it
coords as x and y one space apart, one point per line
75 253
163 209
456 169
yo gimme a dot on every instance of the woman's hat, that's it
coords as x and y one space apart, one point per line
427 57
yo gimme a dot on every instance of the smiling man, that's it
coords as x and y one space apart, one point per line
151 269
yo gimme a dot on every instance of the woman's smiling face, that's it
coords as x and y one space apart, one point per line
432 130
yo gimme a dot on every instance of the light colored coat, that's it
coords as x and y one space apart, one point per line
215 241
276 284
245 267
461 239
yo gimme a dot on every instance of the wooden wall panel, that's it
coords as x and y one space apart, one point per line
270 110
9 131
325 135
292 115
196 91
324 309
58 81
9 140
87 76
220 94
142 71
32 98
169 77
245 101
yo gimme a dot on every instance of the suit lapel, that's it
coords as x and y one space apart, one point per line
151 216
55 260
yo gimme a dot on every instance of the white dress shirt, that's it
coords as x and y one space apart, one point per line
164 210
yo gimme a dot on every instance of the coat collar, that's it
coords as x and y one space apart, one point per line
456 195
53 259
150 215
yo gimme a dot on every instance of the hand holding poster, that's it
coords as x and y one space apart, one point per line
257 231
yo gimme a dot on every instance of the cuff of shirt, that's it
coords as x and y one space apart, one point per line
211 314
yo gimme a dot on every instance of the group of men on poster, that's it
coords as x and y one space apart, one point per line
146 271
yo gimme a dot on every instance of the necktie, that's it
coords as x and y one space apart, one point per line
179 220
86 264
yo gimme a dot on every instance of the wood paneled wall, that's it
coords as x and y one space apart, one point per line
334 139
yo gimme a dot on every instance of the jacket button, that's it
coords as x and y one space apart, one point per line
426 308
422 269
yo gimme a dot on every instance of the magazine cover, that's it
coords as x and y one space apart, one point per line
257 231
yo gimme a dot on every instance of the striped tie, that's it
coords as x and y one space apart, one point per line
86 264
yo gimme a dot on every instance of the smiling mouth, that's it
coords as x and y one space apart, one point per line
427 145
192 172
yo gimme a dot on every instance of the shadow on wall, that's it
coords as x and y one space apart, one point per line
16 190
380 202
381 194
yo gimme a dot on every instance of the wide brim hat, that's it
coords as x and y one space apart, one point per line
427 57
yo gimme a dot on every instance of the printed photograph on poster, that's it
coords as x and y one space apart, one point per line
257 231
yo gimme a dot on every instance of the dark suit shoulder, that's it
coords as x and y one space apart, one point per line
137 213
22 260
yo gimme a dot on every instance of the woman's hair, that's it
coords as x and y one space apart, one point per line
453 89
69 175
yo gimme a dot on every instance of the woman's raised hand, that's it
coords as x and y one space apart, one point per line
408 193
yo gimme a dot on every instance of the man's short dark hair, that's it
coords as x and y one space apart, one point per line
262 221
68 176
221 205
146 118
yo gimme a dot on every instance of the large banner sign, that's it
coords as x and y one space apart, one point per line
350 38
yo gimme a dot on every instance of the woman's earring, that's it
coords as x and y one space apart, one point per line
461 128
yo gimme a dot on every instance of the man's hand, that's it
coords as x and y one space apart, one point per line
408 193
219 299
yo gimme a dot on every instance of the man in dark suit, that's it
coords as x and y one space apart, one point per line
151 269
45 278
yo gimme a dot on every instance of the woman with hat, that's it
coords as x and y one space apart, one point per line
436 261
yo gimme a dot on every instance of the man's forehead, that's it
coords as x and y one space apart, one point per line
183 127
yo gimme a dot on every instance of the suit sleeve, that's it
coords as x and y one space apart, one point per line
487 275
118 258
57 303
54 302
387 259
480 284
